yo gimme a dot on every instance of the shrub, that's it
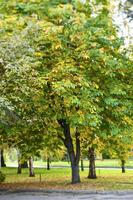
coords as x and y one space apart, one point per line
2 177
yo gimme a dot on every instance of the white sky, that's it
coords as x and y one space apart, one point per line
125 24
120 19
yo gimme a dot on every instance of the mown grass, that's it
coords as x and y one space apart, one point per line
60 179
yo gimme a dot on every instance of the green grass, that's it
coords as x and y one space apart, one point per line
60 179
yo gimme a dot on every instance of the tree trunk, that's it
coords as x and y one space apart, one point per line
2 159
68 159
123 166
74 157
31 170
48 164
82 165
19 171
92 170
75 173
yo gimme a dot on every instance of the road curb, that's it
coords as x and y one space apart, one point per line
73 192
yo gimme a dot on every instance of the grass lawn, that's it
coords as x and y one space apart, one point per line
60 179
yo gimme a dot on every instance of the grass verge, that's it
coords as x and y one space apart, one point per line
60 179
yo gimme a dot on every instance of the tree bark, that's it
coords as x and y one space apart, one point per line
68 159
74 157
2 158
48 164
19 171
31 169
92 169
123 166
82 165
75 173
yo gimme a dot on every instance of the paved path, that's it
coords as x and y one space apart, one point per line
67 196
85 167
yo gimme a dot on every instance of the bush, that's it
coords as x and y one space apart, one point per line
2 177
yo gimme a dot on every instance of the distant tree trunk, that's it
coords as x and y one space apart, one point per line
19 170
24 164
123 166
92 169
48 164
74 157
31 169
82 165
2 158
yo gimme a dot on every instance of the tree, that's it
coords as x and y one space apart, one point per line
2 158
64 123
119 146
92 171
68 73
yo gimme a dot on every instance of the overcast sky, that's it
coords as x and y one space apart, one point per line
125 24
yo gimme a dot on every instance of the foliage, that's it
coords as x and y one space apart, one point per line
52 149
2 177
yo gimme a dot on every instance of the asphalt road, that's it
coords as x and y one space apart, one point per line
63 196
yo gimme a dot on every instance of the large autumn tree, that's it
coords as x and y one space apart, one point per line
63 69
